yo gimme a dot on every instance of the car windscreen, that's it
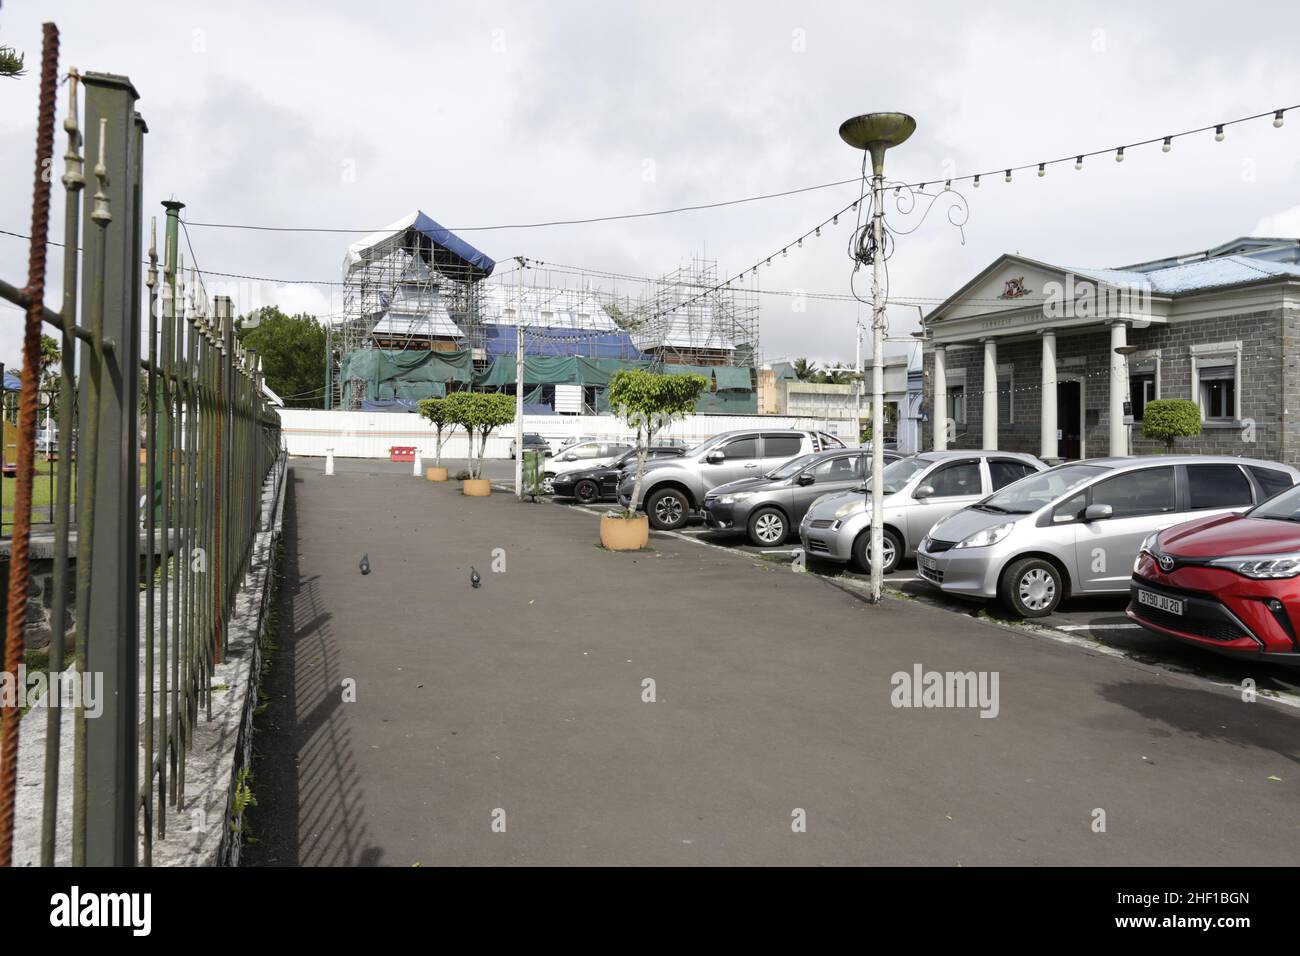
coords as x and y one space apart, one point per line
1034 491
790 468
704 445
899 473
1284 507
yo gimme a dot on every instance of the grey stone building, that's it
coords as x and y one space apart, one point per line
1024 356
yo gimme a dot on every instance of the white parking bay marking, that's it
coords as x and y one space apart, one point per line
1096 627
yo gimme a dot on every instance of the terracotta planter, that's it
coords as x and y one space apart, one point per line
624 534
476 487
435 474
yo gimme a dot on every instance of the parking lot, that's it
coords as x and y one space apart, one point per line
1096 623
686 705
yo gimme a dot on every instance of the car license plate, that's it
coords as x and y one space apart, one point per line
1160 602
930 564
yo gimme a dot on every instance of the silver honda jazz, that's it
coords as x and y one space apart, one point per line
918 492
1077 528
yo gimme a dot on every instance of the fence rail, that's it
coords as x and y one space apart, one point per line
163 413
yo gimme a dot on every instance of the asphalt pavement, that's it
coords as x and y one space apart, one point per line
699 704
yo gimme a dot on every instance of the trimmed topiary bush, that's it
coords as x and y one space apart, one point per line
1168 419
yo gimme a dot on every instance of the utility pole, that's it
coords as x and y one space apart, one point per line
519 380
877 132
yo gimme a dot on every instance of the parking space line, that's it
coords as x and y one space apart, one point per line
1096 627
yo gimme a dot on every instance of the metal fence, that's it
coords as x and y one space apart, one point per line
162 411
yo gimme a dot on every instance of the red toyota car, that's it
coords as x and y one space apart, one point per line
1229 583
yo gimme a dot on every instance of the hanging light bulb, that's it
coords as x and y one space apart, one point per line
897 189
977 182
1277 119
819 232
923 187
947 185
1119 155
800 242
1008 176
785 254
1167 145
1078 162
835 220
1042 169
1218 133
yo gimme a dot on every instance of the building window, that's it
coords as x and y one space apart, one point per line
1216 371
956 408
1218 392
1141 389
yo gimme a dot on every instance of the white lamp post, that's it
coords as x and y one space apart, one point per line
875 133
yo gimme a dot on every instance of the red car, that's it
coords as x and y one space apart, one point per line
1229 583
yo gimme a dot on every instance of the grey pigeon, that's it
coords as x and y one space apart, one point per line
365 563
474 579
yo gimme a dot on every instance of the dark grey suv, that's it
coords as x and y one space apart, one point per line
767 508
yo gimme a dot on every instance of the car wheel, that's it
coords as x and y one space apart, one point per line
548 483
667 509
1031 587
586 491
890 545
767 527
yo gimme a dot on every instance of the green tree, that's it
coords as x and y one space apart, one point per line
11 62
1171 418
292 348
805 371
437 411
648 402
479 413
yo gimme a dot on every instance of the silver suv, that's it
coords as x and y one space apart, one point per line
1077 528
675 487
919 491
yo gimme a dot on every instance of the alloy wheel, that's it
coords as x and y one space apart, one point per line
668 509
769 529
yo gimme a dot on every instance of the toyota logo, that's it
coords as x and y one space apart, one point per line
1166 562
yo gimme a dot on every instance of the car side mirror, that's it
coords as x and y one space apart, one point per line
925 491
1097 512
805 479
715 458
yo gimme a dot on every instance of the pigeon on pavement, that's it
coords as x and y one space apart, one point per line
474 579
365 563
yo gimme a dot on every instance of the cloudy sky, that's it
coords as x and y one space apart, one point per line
349 115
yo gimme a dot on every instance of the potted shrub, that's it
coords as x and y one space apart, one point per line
647 403
480 413
1168 419
437 412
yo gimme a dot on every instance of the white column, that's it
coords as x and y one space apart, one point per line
990 394
939 411
1047 410
1118 388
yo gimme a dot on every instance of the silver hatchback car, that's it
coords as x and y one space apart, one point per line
918 492
1077 528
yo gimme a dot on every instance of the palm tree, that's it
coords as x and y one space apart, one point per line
805 371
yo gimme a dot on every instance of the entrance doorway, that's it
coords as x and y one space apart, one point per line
1069 419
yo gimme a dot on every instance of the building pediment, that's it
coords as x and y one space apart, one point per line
1016 295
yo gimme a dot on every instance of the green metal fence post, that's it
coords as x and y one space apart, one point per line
109 492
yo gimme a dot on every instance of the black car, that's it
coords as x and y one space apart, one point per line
592 484
533 442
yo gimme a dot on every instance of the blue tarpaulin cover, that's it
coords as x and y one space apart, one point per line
499 340
444 247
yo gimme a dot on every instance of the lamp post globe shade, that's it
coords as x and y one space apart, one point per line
877 132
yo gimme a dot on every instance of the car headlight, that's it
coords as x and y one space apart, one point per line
1148 547
989 536
733 498
1263 566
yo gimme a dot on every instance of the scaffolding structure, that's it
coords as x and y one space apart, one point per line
687 318
412 286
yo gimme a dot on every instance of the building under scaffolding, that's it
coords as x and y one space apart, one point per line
420 319
687 318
